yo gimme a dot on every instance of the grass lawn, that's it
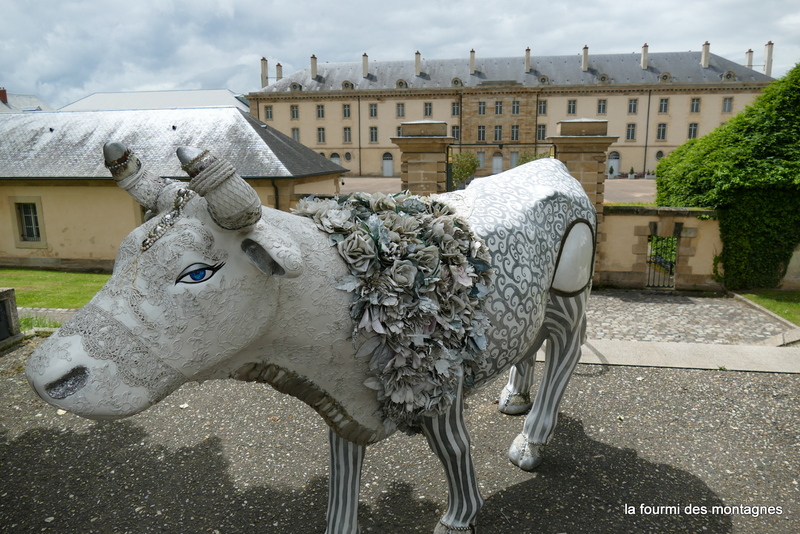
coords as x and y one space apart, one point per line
50 289
784 303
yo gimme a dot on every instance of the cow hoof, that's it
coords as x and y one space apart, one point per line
442 528
527 456
513 403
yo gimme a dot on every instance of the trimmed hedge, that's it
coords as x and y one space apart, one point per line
749 171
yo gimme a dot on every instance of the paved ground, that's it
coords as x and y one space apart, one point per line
228 457
615 191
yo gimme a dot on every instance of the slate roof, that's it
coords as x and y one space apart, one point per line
684 67
69 144
201 98
23 103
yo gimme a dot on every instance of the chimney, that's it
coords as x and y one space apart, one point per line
313 67
585 58
264 75
417 64
472 61
705 57
364 65
748 58
528 59
768 59
3 95
278 72
645 53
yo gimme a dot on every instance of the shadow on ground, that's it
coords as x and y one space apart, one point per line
108 480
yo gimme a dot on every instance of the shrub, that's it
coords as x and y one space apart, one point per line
749 171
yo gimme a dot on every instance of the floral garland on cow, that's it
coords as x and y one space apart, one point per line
419 276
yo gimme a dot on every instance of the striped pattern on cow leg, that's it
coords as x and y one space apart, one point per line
565 321
448 438
515 398
346 459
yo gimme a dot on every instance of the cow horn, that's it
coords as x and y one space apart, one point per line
130 175
232 202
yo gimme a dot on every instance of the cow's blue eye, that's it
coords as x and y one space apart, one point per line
197 273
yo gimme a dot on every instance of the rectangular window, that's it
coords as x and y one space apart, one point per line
373 134
295 111
28 233
601 106
481 159
481 133
320 111
345 111
28 222
695 105
542 107
633 105
661 131
693 130
727 104
513 160
428 109
572 107
401 110
630 132
399 131
541 132
481 108
498 107
456 132
515 107
296 134
267 113
347 135
498 133
373 110
455 109
320 135
515 132
663 105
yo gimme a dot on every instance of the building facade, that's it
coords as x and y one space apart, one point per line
61 209
503 108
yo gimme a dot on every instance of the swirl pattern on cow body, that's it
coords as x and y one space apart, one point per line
522 217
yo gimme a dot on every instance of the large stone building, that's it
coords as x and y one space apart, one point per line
502 107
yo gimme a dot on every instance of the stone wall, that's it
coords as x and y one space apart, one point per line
622 247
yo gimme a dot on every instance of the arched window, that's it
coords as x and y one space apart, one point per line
336 159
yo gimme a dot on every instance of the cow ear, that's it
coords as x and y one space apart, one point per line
273 252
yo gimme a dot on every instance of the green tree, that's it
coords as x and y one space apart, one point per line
749 171
464 165
527 156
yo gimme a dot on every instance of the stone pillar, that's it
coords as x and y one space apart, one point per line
581 144
423 162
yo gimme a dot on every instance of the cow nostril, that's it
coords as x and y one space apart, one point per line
68 384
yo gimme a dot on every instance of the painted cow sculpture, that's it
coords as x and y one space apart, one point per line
215 286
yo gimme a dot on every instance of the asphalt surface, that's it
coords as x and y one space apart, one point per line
637 449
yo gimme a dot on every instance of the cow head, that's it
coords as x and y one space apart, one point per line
193 286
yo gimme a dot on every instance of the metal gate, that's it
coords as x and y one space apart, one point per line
662 257
661 261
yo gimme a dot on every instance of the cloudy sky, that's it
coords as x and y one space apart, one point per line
64 50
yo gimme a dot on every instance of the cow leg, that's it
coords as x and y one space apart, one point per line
449 440
565 321
346 459
515 398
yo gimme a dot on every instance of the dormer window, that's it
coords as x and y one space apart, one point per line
347 85
402 84
457 82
